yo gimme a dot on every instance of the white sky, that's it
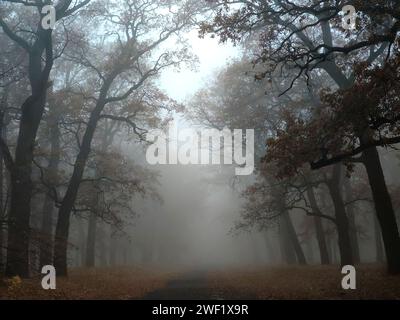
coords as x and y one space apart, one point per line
212 56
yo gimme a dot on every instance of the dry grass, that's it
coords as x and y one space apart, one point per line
117 283
312 282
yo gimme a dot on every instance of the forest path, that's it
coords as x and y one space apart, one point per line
190 286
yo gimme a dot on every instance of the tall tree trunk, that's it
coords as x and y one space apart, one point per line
2 215
21 190
92 229
289 242
46 245
294 240
82 244
113 247
335 257
319 230
346 257
384 209
309 252
93 226
270 248
329 245
91 241
46 242
67 204
102 249
352 223
21 168
380 254
355 247
287 251
2 204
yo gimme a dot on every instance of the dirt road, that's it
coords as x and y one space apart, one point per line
190 286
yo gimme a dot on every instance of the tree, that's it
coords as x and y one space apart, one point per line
340 134
141 27
308 37
37 42
236 100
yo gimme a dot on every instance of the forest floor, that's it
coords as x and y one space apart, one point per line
311 282
123 283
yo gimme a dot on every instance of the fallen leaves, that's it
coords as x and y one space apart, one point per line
86 284
310 282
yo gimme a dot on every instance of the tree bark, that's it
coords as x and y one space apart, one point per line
67 205
82 244
21 190
46 245
21 169
384 209
294 240
91 241
346 257
319 230
353 236
352 223
2 215
102 249
287 251
2 178
270 248
113 248
380 254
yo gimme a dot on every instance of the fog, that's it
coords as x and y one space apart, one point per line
190 218
285 162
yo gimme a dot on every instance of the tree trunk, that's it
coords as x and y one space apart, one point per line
113 247
294 240
20 170
82 244
46 241
346 257
2 204
67 205
287 251
91 241
380 254
270 248
289 242
329 245
46 245
319 230
352 223
384 209
102 249
335 257
21 190
2 215
353 236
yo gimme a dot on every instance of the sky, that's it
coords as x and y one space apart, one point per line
212 56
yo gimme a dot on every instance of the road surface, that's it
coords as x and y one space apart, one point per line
190 286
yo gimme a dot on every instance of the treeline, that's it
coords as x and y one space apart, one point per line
70 97
324 100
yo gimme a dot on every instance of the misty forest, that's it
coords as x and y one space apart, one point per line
84 83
